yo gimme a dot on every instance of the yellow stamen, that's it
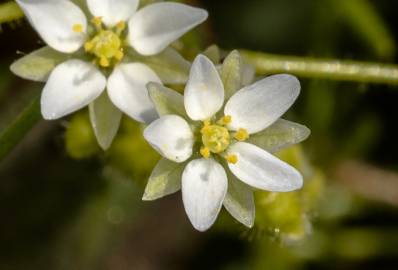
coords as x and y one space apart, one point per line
241 135
205 152
78 28
119 55
104 62
97 21
206 125
88 46
121 26
225 120
233 159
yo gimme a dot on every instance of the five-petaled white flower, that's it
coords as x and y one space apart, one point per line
210 141
116 27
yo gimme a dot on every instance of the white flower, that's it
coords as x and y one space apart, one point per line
222 140
115 29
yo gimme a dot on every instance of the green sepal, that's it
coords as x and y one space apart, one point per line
280 135
105 120
231 73
38 65
169 65
166 100
213 53
164 180
239 201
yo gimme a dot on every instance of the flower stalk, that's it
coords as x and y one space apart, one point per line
340 70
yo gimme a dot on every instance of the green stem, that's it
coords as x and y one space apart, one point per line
10 12
17 130
354 71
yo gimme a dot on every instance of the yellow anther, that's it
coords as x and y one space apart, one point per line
104 62
205 152
121 26
225 120
119 55
88 46
233 159
97 21
241 135
216 138
78 28
206 125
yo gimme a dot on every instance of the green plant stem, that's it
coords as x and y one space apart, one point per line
354 71
17 130
10 12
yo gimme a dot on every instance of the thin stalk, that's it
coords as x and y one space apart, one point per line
342 70
21 125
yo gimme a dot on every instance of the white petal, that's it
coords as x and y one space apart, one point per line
172 137
54 21
113 11
71 86
259 105
127 90
204 186
156 26
261 170
204 92
105 119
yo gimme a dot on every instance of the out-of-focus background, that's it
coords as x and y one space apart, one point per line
66 205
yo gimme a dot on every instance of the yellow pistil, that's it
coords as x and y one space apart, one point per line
215 138
205 152
233 159
241 135
77 28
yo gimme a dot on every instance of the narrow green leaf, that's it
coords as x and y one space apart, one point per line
231 73
105 120
239 201
16 131
166 100
280 135
38 65
164 180
169 65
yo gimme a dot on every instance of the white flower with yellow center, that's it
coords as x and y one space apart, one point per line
214 144
101 49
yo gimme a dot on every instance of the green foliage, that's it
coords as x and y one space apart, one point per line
10 12
79 138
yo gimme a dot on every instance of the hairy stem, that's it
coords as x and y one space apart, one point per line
342 70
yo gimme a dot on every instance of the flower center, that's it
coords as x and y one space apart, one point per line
106 45
216 138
